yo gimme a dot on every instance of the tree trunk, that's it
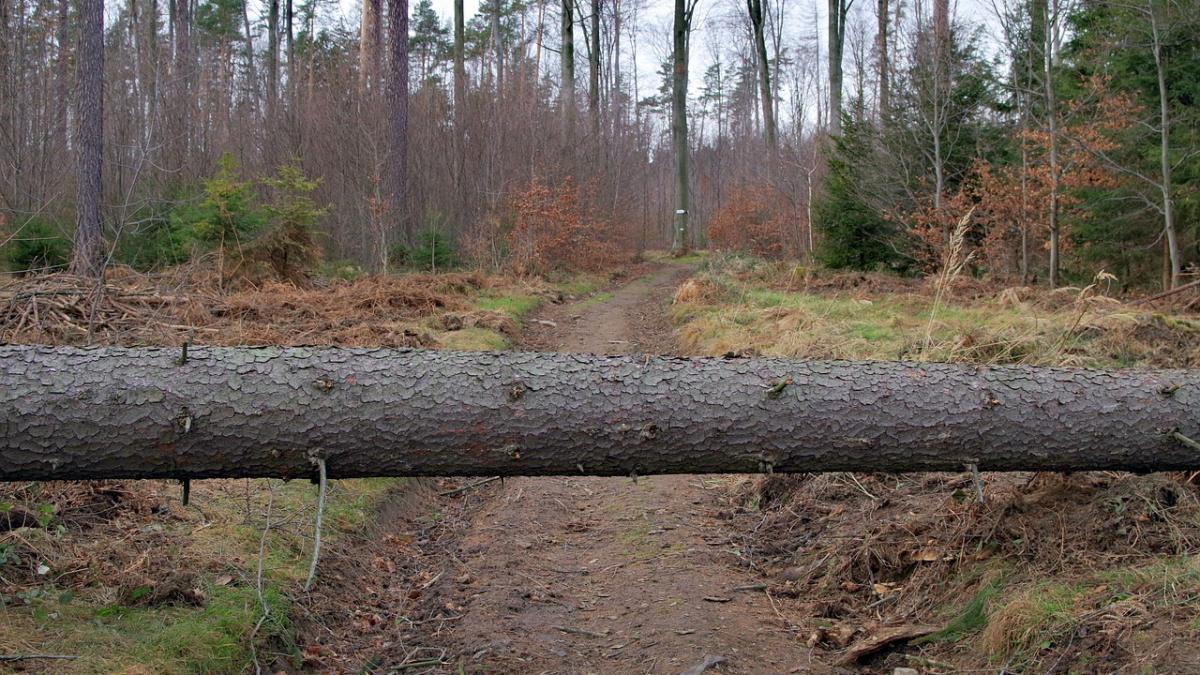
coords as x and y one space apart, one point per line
251 73
369 33
88 259
397 93
881 45
1048 53
837 39
460 63
567 73
1164 126
680 238
62 85
755 9
498 46
290 34
594 70
272 58
79 413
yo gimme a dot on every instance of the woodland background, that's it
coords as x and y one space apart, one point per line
1061 133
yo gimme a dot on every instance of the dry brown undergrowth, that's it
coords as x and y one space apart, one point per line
121 544
1092 572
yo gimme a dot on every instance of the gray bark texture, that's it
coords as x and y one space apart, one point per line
681 237
107 412
88 259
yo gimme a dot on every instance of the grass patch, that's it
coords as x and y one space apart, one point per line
971 618
692 258
475 339
733 314
596 299
1031 622
515 306
217 538
218 637
580 285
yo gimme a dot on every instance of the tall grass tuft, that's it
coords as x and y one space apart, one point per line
953 263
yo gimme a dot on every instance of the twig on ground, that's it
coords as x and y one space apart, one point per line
1173 291
860 486
427 663
258 579
580 631
469 486
33 657
977 480
312 568
708 662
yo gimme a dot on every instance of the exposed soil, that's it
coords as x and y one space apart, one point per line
563 575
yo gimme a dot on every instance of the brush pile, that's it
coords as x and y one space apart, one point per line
134 309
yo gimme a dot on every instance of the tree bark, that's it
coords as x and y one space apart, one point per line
368 45
1164 155
567 73
681 236
594 69
272 58
885 69
460 63
91 413
88 259
755 9
397 94
837 41
1048 61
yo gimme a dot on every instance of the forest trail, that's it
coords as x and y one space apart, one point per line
612 575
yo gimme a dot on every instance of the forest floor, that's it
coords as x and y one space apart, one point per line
1088 573
122 576
576 575
1093 572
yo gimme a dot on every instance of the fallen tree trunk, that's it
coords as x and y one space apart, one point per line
73 413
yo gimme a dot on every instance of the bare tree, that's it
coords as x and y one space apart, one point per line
838 9
368 42
1049 50
397 94
567 72
594 68
88 260
460 63
681 33
1164 154
883 19
755 9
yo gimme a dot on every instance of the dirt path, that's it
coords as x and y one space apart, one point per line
604 575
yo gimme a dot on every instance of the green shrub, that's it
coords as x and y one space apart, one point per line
223 214
346 270
289 242
156 243
227 214
37 245
855 234
433 251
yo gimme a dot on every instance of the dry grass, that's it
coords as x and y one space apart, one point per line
416 310
125 576
865 318
953 263
1052 573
